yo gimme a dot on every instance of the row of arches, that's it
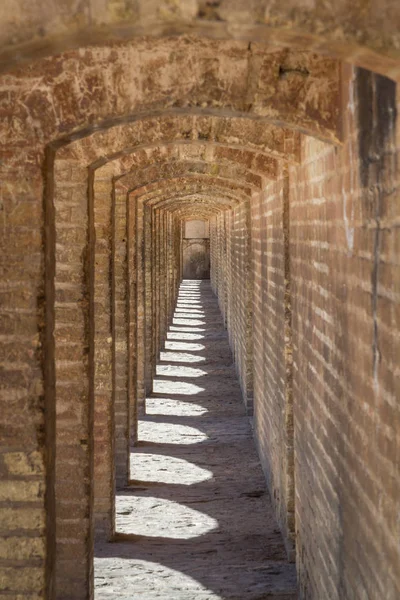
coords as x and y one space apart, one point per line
106 152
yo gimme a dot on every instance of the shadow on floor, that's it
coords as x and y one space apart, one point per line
196 522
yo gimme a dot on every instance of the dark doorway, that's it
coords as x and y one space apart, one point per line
196 250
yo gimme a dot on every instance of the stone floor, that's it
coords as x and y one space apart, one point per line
196 523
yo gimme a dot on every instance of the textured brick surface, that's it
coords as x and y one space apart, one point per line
344 341
105 151
349 30
322 266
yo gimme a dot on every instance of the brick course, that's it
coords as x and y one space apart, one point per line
293 159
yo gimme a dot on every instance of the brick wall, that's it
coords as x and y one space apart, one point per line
325 262
305 266
272 351
344 211
27 384
73 445
122 358
236 278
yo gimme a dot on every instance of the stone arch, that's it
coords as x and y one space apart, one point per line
22 177
367 38
82 186
276 142
242 155
92 90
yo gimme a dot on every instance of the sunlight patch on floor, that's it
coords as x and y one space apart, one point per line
179 371
134 574
170 433
183 346
187 321
189 304
181 357
164 518
187 329
183 335
170 406
176 388
190 309
159 468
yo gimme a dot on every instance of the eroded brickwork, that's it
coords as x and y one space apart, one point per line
106 151
350 30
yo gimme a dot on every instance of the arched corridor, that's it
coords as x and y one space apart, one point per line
200 252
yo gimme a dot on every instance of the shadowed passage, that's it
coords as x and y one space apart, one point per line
196 522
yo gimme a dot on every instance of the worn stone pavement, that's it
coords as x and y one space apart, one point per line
196 523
